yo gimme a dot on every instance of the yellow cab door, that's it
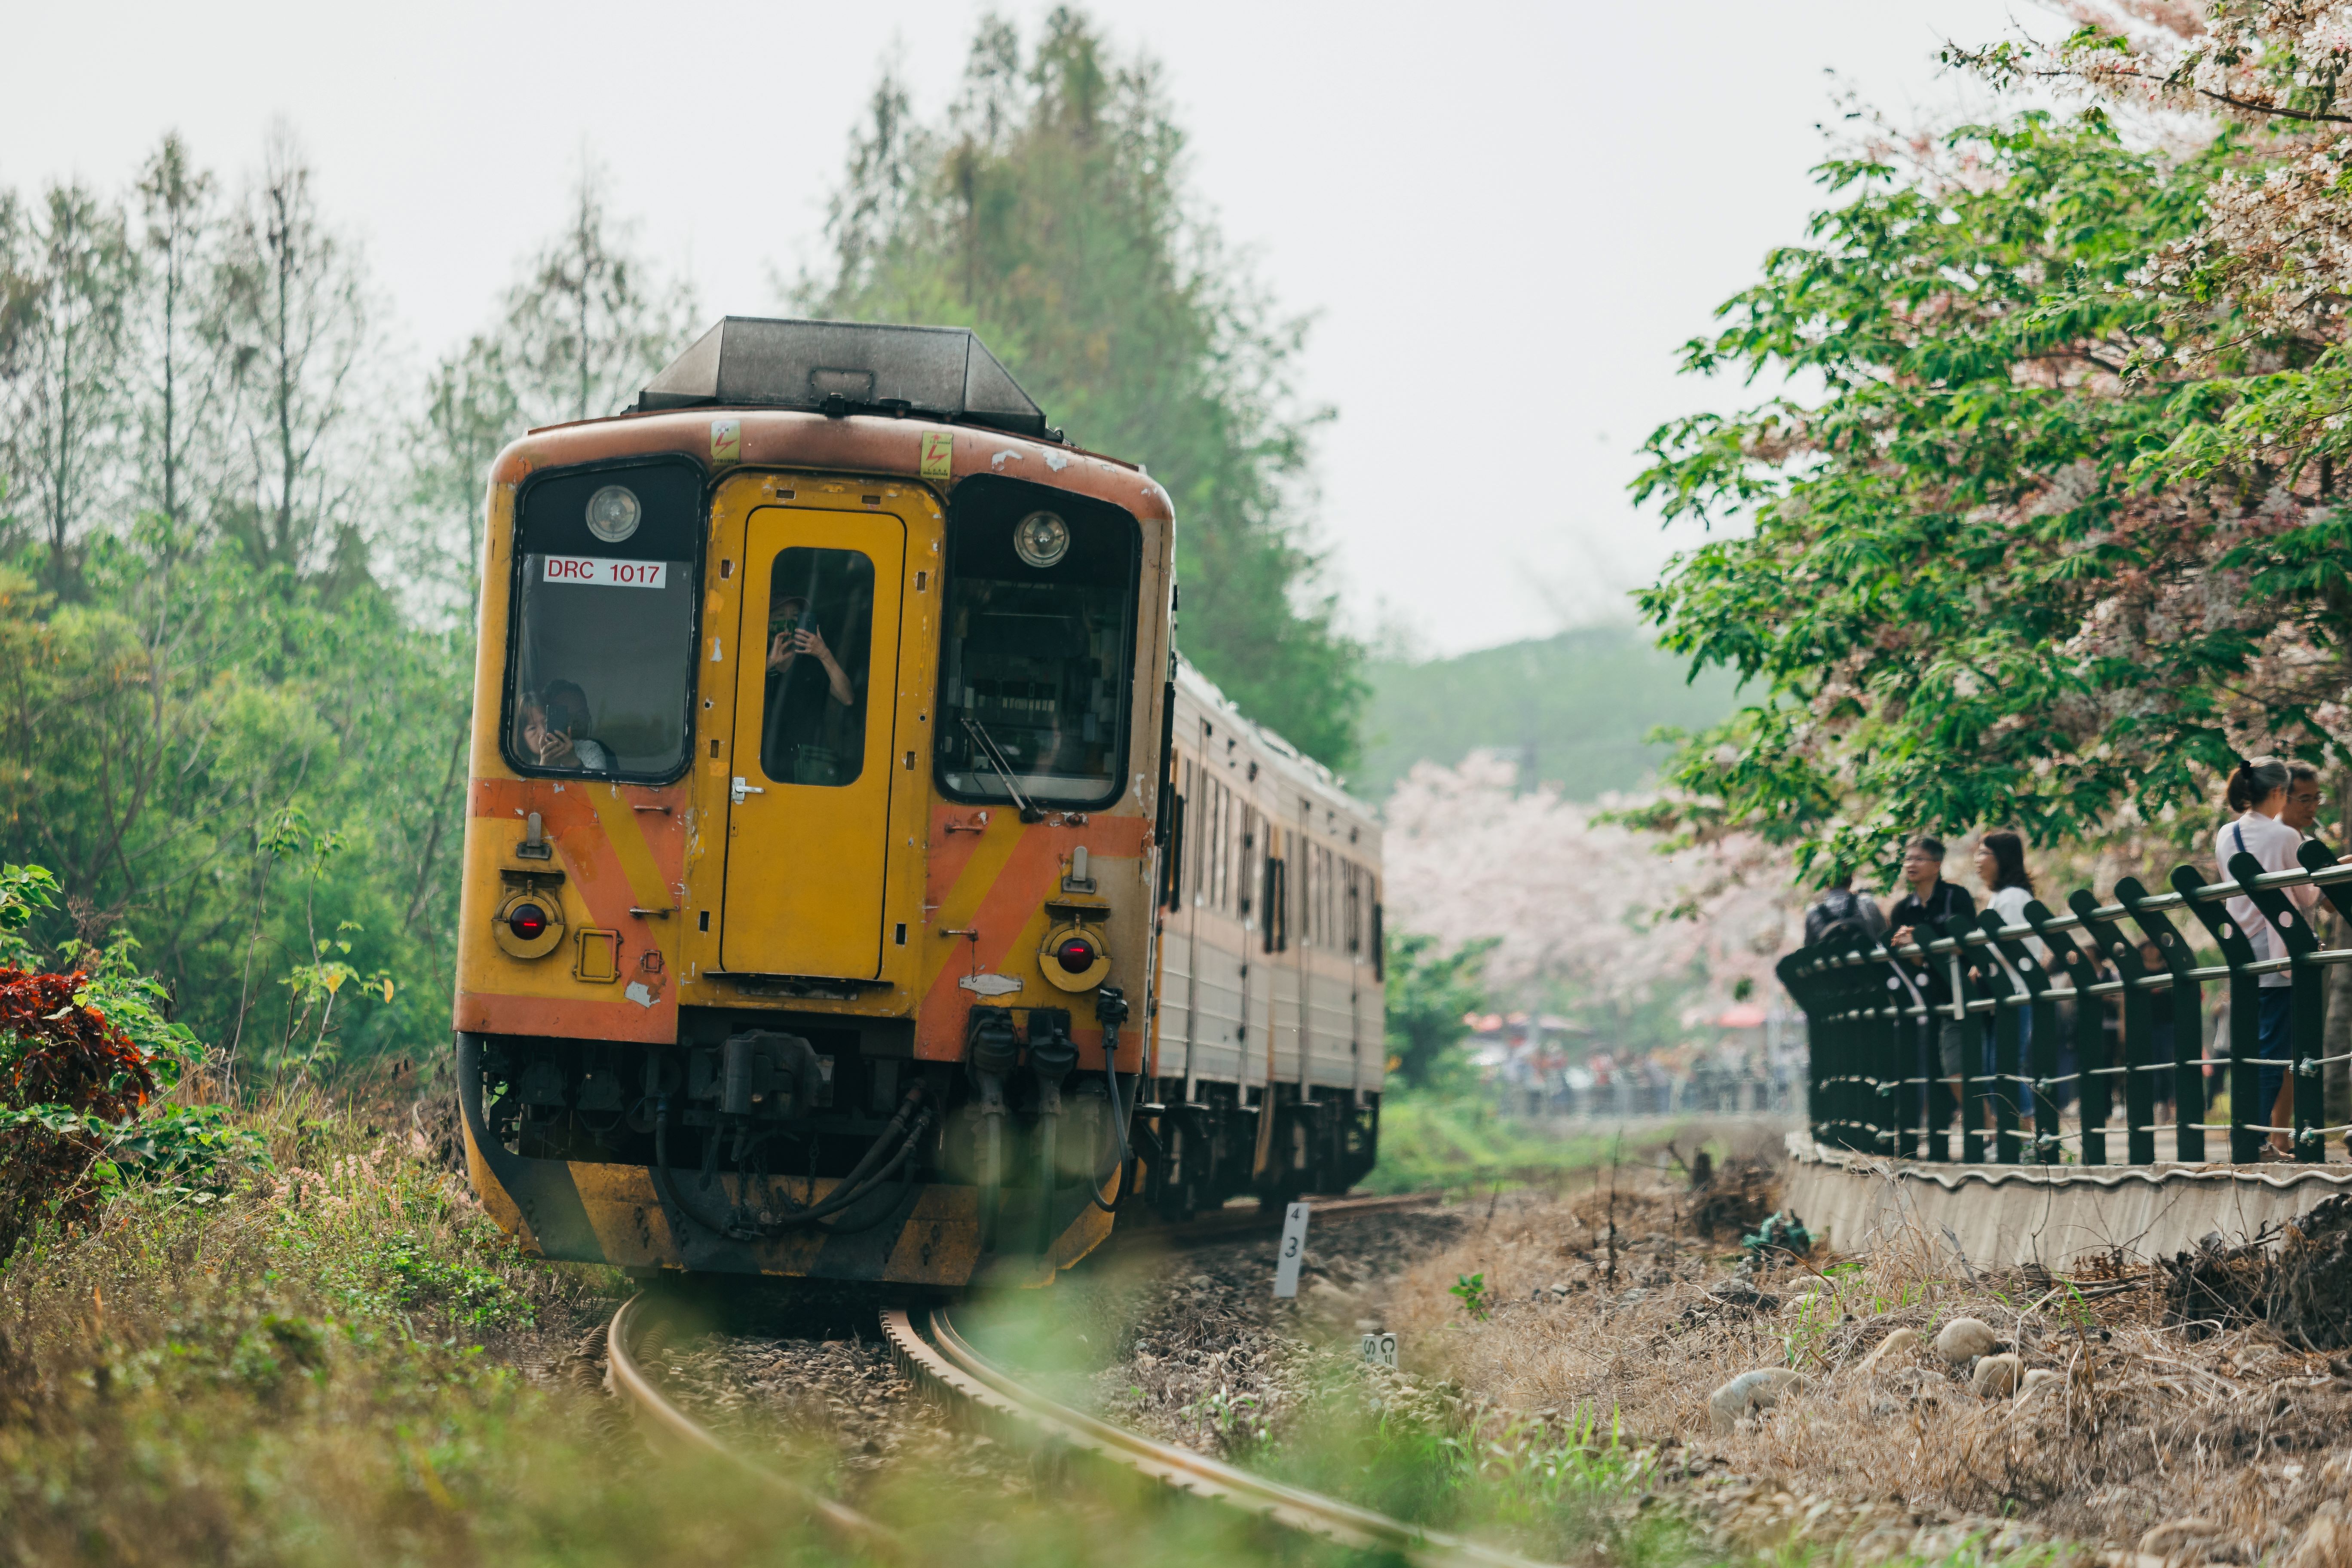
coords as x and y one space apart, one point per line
807 847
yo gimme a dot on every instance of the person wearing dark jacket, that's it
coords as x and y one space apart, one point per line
1933 898
1840 906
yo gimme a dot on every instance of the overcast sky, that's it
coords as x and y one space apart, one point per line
1505 218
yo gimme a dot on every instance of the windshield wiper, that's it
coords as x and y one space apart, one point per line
987 744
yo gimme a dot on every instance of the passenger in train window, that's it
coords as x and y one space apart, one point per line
552 724
793 633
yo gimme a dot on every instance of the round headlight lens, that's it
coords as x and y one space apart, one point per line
613 513
1075 956
1041 539
527 921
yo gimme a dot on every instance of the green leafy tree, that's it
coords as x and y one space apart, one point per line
1972 592
1048 210
66 276
1429 989
590 320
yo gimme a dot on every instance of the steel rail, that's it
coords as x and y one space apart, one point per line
940 1359
629 1379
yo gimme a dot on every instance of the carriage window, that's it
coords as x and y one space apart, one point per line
1037 669
603 659
820 635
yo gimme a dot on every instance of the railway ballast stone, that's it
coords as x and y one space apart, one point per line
1963 1339
1750 1392
1996 1375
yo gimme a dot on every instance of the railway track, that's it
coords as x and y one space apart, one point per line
1223 1225
941 1362
630 1341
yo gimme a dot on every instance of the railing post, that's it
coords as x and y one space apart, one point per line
2187 1005
1959 971
2008 1019
2042 1039
2306 983
1796 972
1913 1024
2140 1027
2091 1084
2245 1011
2318 856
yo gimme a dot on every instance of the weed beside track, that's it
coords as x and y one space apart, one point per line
2220 1447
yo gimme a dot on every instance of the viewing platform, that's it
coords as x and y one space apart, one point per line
2056 1215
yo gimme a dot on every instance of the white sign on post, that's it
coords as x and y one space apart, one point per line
1381 1348
1294 1248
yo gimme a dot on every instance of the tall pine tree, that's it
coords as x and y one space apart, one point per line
1047 210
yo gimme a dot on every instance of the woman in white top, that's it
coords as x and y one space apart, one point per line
2000 864
2258 792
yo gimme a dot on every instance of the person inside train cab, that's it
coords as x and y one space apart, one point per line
792 633
552 725
807 689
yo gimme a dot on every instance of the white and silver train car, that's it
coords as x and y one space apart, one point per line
1270 1056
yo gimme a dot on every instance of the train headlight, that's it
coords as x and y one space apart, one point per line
613 513
528 924
1041 539
1072 958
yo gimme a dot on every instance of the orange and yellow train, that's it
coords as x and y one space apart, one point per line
856 884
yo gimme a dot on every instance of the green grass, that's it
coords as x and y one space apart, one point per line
1433 1143
322 1368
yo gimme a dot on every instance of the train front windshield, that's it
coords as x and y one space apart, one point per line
603 656
1040 632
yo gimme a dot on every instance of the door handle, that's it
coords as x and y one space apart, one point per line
737 791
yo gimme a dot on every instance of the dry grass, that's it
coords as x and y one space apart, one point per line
342 1361
2216 1450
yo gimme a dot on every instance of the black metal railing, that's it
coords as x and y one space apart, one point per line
1876 1082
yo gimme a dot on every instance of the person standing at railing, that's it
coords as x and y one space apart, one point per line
2009 887
1932 897
1840 908
2259 792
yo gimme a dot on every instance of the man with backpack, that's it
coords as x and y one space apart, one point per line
1839 906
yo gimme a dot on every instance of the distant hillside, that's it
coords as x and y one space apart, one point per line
1582 701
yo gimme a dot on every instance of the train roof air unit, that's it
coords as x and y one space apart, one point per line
846 367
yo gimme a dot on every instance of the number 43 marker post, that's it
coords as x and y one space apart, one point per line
1294 1248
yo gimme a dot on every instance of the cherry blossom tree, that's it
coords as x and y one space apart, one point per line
1584 913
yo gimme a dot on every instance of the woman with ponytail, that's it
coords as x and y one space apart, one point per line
2258 793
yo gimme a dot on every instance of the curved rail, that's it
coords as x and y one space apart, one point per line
629 1379
940 1359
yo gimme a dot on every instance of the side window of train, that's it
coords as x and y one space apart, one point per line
1355 909
819 633
1246 895
1226 833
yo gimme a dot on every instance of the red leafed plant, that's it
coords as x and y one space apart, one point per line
58 1055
